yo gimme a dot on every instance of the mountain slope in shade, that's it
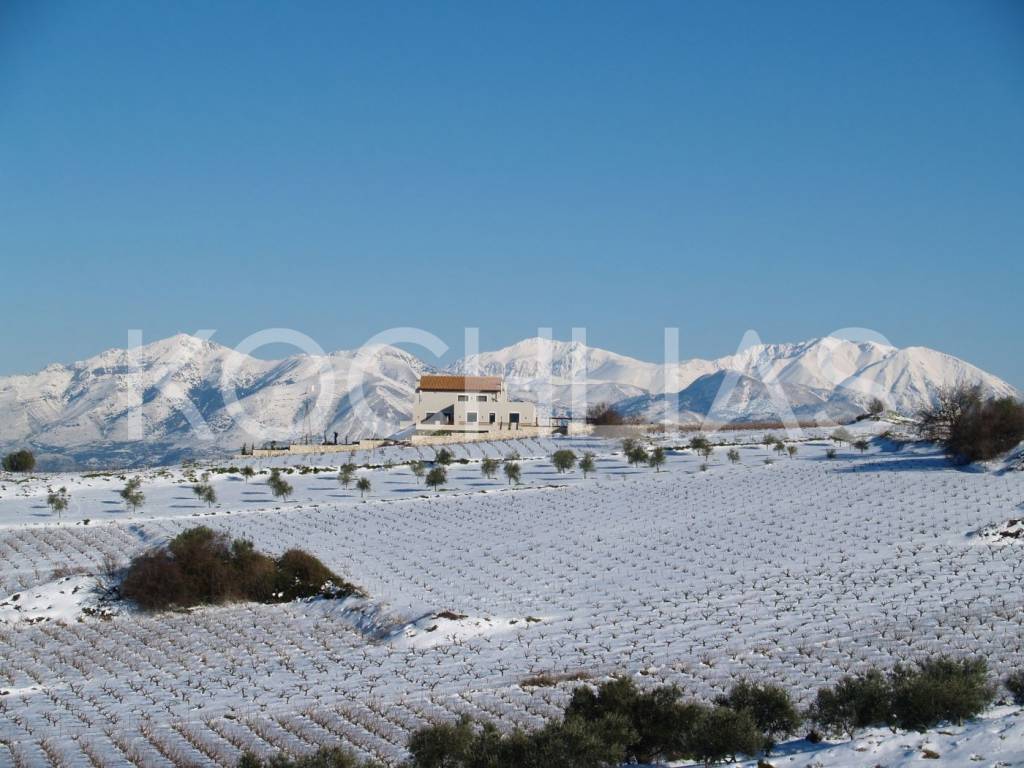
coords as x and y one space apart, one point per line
137 406
729 396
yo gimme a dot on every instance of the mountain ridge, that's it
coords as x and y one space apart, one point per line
184 396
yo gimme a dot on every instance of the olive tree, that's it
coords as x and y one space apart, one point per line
436 477
563 460
587 464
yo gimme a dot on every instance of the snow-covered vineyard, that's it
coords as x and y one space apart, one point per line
796 571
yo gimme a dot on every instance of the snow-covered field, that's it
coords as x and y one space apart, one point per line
796 571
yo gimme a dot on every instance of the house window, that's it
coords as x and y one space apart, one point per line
471 417
481 398
463 398
493 417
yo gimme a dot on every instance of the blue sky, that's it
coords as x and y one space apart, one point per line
791 167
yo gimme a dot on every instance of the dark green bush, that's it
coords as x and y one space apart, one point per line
970 426
938 690
769 705
563 460
720 733
568 743
855 702
203 567
329 757
658 718
19 461
445 745
299 574
154 581
1015 685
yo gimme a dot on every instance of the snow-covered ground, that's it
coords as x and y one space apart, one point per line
995 740
796 571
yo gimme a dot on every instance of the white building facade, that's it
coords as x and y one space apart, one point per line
468 405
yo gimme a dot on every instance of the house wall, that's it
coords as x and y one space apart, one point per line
483 404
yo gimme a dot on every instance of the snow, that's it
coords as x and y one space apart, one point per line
62 599
995 740
794 572
141 406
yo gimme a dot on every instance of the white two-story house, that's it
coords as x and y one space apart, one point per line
468 405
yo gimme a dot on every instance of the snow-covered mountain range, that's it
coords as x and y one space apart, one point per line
184 396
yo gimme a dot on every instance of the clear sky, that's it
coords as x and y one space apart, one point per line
340 169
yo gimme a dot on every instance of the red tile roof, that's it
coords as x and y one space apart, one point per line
441 383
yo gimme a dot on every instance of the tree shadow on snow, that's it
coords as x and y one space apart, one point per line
934 463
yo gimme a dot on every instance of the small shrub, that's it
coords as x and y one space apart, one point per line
563 460
445 745
19 461
569 743
720 733
363 485
300 574
444 457
58 500
603 414
489 468
154 581
132 493
861 445
200 567
658 718
769 705
842 435
657 458
512 472
637 455
205 492
346 474
418 469
278 485
855 702
1015 685
587 464
436 477
733 455
325 757
937 690
830 453
971 427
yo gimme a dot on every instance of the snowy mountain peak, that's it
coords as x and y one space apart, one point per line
142 404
